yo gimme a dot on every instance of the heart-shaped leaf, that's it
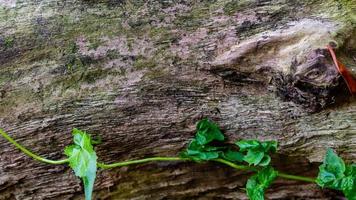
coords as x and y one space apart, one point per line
257 184
83 160
335 174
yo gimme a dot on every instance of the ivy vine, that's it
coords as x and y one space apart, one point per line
209 144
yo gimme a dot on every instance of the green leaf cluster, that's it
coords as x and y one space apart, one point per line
208 144
256 152
257 184
83 160
335 174
208 131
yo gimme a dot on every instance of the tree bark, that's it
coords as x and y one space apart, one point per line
140 74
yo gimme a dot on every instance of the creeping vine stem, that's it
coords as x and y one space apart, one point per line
151 159
29 153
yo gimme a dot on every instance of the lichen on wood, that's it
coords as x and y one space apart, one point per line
141 73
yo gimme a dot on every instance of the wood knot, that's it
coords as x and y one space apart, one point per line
313 82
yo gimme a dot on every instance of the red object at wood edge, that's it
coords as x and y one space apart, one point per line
346 74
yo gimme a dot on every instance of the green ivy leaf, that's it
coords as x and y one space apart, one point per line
233 156
351 194
333 173
331 170
270 146
246 145
267 176
83 160
257 152
208 131
208 145
254 190
266 160
254 157
334 164
348 187
265 146
257 184
350 172
199 152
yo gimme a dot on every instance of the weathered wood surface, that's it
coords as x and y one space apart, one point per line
141 73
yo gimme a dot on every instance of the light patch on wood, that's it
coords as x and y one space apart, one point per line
8 3
278 49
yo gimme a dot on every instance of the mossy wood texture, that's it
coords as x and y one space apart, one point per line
140 74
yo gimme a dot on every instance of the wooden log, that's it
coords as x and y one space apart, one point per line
140 74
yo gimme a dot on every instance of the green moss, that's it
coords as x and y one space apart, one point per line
71 58
155 73
194 19
350 7
163 36
231 7
340 10
93 26
142 63
71 81
92 75
28 57
158 32
94 44
5 76
112 54
9 42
